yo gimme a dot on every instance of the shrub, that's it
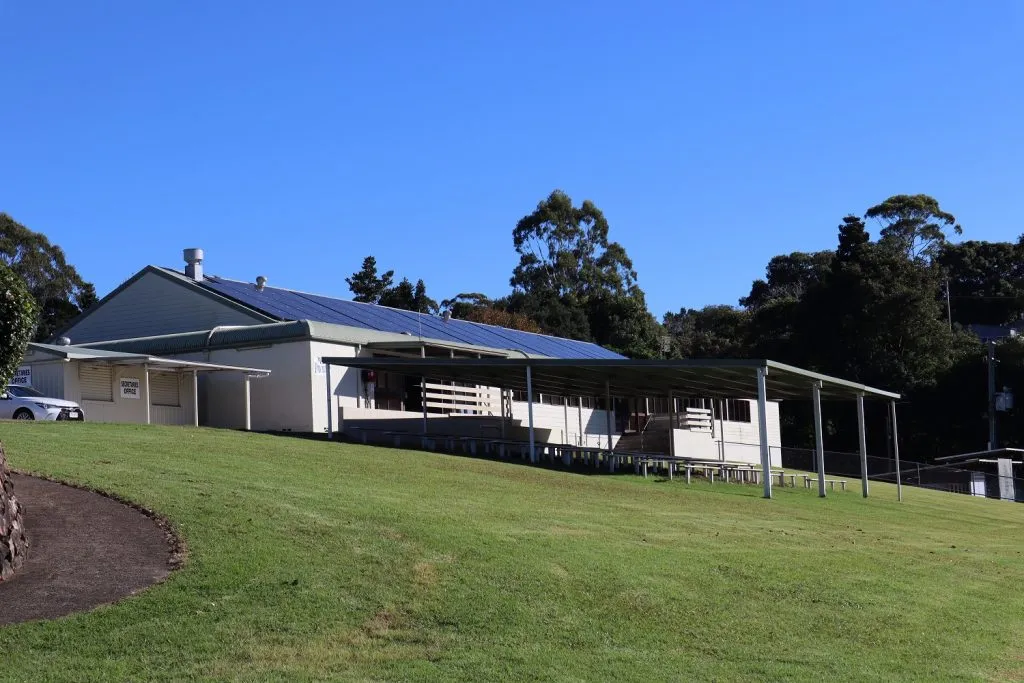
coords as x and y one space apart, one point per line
18 313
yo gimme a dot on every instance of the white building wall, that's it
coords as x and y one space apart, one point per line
734 441
154 305
279 402
564 423
344 383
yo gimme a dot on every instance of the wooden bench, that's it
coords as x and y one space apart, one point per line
808 479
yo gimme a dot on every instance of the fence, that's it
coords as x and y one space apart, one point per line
923 475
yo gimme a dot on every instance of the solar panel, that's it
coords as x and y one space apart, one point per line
286 304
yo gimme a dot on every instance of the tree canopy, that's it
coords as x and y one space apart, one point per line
18 317
368 287
409 297
985 280
576 283
59 291
914 224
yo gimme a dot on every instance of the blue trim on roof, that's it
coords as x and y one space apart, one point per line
286 304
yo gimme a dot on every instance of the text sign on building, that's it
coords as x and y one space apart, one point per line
131 388
22 376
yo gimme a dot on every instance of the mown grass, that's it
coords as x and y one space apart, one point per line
311 561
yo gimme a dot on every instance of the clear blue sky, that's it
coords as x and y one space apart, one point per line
291 139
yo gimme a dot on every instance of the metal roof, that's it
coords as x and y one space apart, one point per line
120 358
287 304
231 336
626 378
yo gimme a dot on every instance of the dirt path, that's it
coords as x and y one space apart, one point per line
86 550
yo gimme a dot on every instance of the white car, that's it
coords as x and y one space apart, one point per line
25 403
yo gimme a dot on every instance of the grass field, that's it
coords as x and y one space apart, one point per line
311 560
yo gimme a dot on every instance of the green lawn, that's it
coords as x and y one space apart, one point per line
311 560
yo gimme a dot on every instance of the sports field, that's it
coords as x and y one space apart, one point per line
311 560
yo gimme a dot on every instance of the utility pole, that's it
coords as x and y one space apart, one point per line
991 395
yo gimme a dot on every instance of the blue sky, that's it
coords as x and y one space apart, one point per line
293 139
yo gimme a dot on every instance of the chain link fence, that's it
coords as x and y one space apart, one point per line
925 475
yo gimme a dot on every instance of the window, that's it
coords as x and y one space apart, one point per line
97 382
23 392
737 410
163 389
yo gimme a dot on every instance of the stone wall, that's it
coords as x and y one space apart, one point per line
13 542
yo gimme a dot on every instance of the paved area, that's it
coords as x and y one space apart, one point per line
86 550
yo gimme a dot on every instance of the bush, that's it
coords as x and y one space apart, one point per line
17 322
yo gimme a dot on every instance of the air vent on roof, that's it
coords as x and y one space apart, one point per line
261 282
64 341
194 264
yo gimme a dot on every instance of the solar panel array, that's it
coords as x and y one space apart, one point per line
286 304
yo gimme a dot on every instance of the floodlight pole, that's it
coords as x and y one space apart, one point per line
529 411
862 433
762 429
819 443
330 409
608 421
896 450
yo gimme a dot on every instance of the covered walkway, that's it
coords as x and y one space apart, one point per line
754 379
140 387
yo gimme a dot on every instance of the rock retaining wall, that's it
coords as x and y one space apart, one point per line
13 542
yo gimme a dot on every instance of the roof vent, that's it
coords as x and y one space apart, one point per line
64 341
194 264
261 282
447 315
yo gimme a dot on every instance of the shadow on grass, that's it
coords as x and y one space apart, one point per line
626 472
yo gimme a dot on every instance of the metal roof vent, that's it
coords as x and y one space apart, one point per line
447 315
64 341
261 282
194 264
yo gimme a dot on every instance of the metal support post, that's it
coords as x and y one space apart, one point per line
529 411
423 391
330 406
819 442
195 397
145 391
608 415
896 450
991 396
248 405
862 433
671 425
762 428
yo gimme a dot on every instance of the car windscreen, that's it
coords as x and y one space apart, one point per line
23 392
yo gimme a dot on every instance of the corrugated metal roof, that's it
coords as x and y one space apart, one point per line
627 378
249 335
67 352
289 305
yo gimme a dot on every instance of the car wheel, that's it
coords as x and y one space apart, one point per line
24 414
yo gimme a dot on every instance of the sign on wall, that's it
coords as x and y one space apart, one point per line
131 388
22 376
